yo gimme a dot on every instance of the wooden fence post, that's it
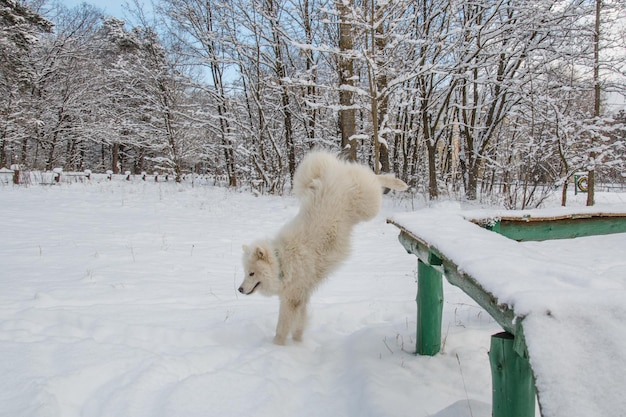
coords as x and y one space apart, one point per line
429 306
16 174
56 174
513 387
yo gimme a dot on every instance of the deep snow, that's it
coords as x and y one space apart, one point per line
120 300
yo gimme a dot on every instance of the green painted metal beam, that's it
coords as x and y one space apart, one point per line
568 227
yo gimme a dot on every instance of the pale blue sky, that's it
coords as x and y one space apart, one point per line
111 7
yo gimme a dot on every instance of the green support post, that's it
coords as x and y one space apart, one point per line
429 306
513 388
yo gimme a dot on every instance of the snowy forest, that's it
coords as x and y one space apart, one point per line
473 99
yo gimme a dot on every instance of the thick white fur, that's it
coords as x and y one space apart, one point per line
334 195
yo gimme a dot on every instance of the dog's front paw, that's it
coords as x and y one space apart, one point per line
279 340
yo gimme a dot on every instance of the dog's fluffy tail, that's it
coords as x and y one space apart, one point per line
389 181
320 168
311 172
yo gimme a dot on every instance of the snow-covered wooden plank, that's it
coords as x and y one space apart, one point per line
574 302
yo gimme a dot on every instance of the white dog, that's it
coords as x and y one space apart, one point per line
335 195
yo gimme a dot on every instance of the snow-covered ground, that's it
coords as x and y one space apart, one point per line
120 299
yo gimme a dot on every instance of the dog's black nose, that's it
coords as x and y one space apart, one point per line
241 290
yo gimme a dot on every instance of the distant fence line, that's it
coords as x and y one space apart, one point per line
57 176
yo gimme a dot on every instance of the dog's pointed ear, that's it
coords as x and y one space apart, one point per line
261 254
246 249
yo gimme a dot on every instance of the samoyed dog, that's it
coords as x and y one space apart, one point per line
334 196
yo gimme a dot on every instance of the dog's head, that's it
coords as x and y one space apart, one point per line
261 268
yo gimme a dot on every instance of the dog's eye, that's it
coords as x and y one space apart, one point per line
251 274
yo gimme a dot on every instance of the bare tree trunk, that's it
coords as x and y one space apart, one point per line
24 154
373 75
347 113
4 157
3 154
591 176
281 73
431 147
311 72
565 168
382 95
433 191
115 158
